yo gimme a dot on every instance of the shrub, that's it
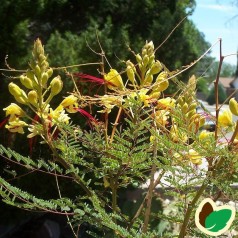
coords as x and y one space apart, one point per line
133 138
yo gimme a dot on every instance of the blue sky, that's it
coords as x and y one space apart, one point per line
214 19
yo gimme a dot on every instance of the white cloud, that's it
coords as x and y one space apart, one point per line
218 7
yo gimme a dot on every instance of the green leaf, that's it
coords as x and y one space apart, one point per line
217 220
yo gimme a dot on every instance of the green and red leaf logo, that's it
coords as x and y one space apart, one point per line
214 220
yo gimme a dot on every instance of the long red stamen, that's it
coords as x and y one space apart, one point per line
86 114
93 79
90 78
4 122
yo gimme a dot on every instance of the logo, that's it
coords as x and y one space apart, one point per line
214 220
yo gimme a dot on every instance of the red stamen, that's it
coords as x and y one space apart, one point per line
93 79
4 122
90 78
86 114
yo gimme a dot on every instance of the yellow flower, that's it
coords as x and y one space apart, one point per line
205 136
58 115
141 96
70 104
178 135
161 117
225 118
233 105
114 80
109 102
14 111
161 82
194 157
36 129
16 126
166 103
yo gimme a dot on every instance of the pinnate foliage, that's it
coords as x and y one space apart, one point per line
134 136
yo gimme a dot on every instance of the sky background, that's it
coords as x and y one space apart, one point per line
216 19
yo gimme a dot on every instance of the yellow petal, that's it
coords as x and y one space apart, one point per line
114 80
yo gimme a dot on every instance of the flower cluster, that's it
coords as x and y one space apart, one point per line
36 91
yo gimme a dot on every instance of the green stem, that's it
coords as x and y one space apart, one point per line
190 209
151 186
114 195
149 200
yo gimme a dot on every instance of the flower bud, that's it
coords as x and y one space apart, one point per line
49 72
150 46
192 83
44 79
42 57
18 93
185 108
202 121
33 97
144 52
156 67
148 79
161 82
138 58
27 82
56 85
155 94
38 48
180 101
37 71
146 60
130 74
192 106
190 113
151 59
233 105
14 89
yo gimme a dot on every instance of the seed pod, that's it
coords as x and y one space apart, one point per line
233 105
56 85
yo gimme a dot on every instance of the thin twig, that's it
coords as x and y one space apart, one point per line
60 196
216 85
171 32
